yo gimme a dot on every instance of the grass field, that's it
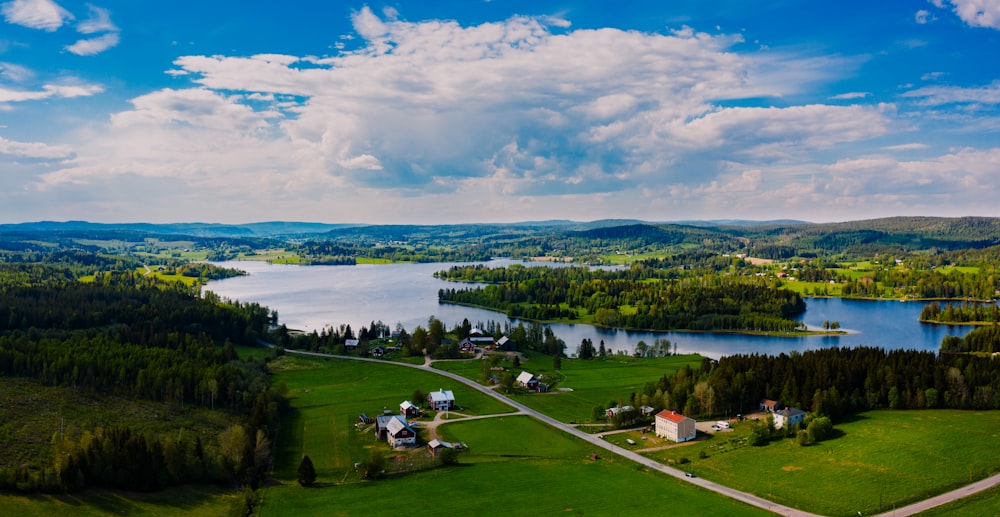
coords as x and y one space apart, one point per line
879 460
593 383
328 395
188 500
510 458
986 502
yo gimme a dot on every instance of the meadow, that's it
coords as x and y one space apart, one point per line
876 461
327 395
188 500
508 459
583 385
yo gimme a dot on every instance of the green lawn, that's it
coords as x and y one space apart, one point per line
879 460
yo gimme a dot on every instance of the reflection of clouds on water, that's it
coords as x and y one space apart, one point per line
313 297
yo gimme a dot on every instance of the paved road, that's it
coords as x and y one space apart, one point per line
655 465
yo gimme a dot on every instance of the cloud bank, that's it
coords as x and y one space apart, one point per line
480 122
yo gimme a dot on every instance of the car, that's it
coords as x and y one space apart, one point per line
715 427
689 474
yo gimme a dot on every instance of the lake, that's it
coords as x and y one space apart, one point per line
313 297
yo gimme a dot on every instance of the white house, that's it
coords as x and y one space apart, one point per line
788 416
441 400
674 426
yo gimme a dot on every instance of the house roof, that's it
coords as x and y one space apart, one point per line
672 416
788 412
435 443
525 377
383 421
442 396
406 405
396 425
503 340
769 402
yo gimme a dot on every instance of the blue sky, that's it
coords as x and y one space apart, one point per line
499 111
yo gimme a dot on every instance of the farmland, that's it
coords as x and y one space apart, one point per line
328 395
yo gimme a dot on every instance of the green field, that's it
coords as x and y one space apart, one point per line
879 460
583 384
328 395
509 458
193 500
986 502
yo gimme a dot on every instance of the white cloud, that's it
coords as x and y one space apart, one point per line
978 13
850 96
35 14
923 16
906 147
93 46
491 115
49 91
33 150
15 73
938 95
99 21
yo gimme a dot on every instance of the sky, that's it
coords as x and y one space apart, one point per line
497 111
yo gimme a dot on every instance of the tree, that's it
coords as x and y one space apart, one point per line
602 352
307 472
517 361
448 456
418 397
372 467
557 362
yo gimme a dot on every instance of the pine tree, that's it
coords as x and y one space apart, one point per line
307 473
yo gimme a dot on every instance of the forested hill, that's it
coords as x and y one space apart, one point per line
111 340
593 242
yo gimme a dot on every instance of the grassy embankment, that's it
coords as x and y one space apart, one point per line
509 456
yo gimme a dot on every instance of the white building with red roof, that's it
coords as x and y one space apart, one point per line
674 426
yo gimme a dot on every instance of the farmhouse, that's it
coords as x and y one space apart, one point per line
527 380
350 344
788 416
504 343
466 346
382 424
768 405
408 409
441 400
674 426
399 433
480 338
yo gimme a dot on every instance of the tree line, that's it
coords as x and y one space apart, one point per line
637 298
834 382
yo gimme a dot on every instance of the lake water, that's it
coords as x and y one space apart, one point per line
313 297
